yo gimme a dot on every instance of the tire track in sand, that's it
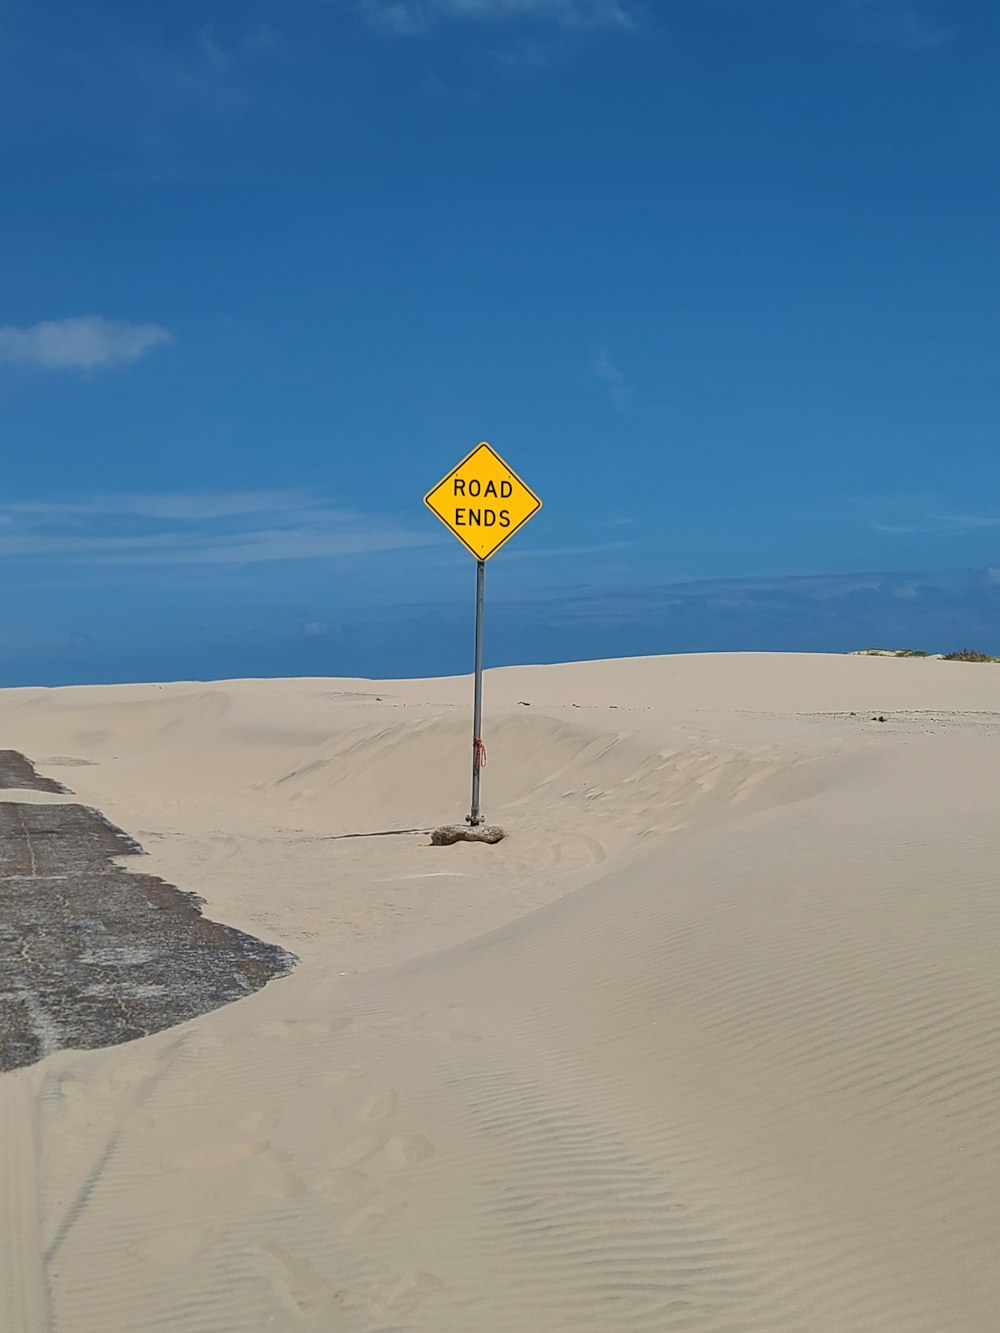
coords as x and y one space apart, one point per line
24 1289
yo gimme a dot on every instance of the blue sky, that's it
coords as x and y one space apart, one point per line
720 278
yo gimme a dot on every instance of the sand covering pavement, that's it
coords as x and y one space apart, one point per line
710 1042
95 954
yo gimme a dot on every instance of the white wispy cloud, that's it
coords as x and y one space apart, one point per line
605 369
403 17
551 552
222 53
83 343
179 505
929 524
897 23
901 529
967 520
190 528
529 57
905 24
212 73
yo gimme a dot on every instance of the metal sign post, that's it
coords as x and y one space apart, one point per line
483 503
478 748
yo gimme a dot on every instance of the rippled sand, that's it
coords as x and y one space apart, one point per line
708 1043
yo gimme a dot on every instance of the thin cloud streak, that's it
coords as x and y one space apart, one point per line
198 529
932 524
403 18
894 23
606 370
244 548
178 505
967 520
555 551
85 343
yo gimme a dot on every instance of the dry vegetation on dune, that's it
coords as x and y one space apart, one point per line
889 652
969 655
961 655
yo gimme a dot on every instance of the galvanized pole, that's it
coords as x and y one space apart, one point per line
478 749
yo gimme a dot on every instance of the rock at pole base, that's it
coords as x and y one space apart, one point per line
449 833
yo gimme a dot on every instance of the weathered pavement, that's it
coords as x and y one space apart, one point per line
92 954
17 771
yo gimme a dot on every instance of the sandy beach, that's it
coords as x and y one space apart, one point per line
708 1043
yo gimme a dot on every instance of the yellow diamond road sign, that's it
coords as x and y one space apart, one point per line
483 502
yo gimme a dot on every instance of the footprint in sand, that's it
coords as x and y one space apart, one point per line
144 1068
267 1179
280 1028
333 1078
379 1106
296 1286
456 1034
406 1150
404 1295
140 1120
211 1156
375 1213
175 1246
342 1185
257 1121
356 1150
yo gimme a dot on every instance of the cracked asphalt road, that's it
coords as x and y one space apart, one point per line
17 771
92 954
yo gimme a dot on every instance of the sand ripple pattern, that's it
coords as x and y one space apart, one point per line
742 1079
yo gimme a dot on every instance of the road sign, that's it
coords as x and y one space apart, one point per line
483 502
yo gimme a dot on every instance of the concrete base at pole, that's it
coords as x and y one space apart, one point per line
449 833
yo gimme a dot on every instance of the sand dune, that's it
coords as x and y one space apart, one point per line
709 1043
